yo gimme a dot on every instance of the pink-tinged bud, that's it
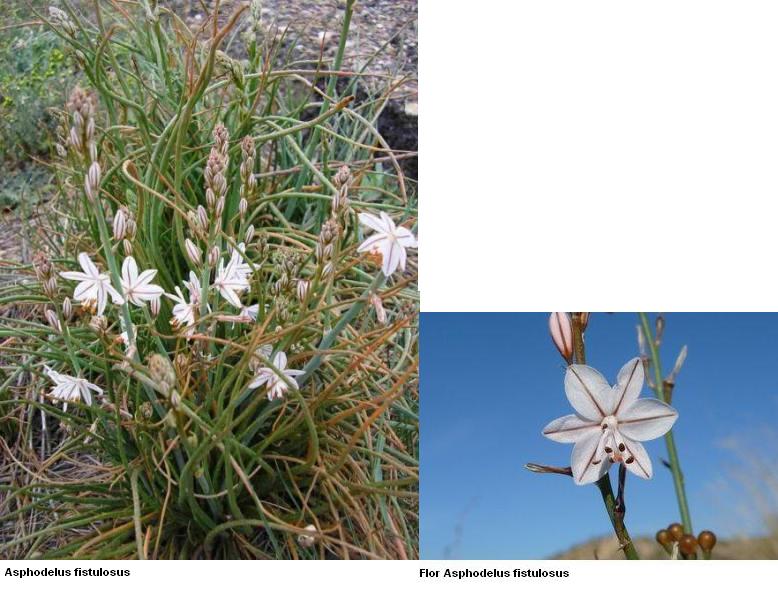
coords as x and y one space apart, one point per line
51 317
120 224
210 198
50 287
327 269
243 207
67 308
90 129
562 334
378 305
219 207
92 183
302 289
92 151
78 121
193 252
127 244
154 305
202 217
250 233
74 140
213 256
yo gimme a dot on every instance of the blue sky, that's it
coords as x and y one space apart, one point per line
491 381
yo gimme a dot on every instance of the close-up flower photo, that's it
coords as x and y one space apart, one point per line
208 298
600 436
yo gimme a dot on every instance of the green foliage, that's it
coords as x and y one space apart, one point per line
35 74
184 158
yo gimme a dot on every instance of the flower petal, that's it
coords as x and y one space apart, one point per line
280 360
628 385
405 237
585 471
372 242
646 419
373 222
87 264
393 254
570 429
641 464
588 392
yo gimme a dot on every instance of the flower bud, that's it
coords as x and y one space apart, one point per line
249 233
61 151
219 207
562 334
51 317
302 289
308 539
243 207
99 324
154 305
162 372
378 305
127 244
67 308
202 217
327 269
707 541
213 256
193 252
93 180
120 224
210 198
50 287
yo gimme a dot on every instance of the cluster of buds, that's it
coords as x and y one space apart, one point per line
290 264
198 222
162 374
673 539
233 67
216 171
81 139
61 19
253 27
325 246
342 182
44 271
124 228
248 181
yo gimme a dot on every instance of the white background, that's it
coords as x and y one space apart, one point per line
600 155
392 582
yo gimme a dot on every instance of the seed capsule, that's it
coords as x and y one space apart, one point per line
676 531
707 540
663 537
688 545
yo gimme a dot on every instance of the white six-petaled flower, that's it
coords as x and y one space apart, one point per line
276 385
389 240
609 422
70 389
138 289
232 280
94 287
184 313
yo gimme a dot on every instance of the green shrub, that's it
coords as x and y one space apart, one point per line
271 413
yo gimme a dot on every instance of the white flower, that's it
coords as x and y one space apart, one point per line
609 422
185 313
95 287
389 241
276 385
138 289
232 279
70 389
250 312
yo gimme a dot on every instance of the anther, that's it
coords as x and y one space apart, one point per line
622 447
608 450
630 459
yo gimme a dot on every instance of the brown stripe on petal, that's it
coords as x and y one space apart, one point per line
629 380
588 392
645 419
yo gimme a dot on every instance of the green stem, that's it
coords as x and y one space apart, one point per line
672 451
604 483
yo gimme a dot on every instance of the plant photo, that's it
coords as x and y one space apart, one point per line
209 326
600 436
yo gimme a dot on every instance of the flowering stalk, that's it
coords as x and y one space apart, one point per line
664 394
604 483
